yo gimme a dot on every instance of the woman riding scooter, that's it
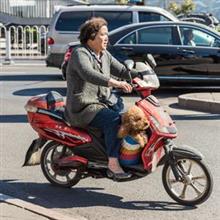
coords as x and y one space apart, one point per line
89 86
68 154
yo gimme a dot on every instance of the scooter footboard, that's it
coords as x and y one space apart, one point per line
33 154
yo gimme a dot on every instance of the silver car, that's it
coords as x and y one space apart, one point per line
66 22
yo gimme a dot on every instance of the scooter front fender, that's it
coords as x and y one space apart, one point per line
187 152
33 153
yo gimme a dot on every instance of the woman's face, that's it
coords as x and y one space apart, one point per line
101 40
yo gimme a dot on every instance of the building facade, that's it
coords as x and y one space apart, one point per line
33 8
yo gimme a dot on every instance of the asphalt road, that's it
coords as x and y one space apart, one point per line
97 199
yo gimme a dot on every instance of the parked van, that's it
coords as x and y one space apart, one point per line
66 23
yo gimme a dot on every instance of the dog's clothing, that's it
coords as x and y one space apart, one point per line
130 151
132 130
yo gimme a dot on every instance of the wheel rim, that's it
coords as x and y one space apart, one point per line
60 176
194 182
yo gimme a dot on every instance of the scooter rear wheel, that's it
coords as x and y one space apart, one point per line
64 177
195 184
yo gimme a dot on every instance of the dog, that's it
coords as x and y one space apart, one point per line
133 125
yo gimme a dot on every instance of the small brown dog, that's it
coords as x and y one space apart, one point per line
134 122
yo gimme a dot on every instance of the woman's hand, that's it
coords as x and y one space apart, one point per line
126 87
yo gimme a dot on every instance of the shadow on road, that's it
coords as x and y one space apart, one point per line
13 119
195 117
28 77
54 197
38 91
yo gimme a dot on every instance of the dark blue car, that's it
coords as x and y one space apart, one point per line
187 54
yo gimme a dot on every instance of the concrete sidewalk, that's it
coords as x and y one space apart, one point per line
206 102
14 208
11 212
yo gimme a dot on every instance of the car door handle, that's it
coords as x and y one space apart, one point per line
188 51
127 48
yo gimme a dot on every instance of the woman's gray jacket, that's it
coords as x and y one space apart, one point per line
87 83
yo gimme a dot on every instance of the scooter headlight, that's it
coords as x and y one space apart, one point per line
157 124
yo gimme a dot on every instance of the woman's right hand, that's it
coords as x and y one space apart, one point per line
126 87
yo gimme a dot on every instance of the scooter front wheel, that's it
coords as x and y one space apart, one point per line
64 177
194 185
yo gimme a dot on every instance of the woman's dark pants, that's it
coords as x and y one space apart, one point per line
109 121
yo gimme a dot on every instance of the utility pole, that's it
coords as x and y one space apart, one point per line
165 4
48 8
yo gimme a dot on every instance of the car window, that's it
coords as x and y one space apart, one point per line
151 16
157 35
115 19
130 39
194 37
71 21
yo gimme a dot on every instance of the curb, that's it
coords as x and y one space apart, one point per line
187 101
48 213
23 64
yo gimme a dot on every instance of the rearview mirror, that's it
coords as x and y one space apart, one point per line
151 61
129 64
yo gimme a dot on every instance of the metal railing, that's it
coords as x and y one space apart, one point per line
32 8
23 42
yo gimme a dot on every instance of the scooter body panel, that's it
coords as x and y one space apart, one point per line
51 129
160 121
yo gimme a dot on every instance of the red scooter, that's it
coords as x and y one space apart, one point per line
68 154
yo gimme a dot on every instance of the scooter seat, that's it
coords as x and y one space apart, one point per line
58 114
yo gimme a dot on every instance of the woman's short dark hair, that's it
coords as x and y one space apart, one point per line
90 28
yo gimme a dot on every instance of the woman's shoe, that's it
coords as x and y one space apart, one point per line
118 176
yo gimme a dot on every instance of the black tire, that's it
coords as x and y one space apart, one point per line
51 170
188 180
